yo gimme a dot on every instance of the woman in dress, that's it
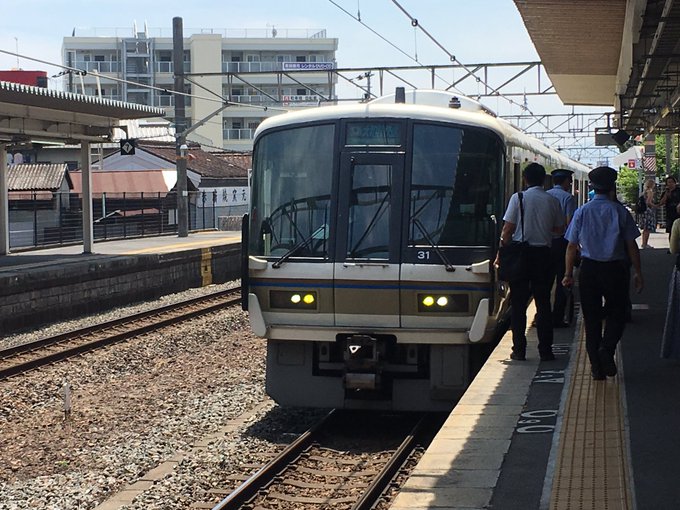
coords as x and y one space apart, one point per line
670 343
647 220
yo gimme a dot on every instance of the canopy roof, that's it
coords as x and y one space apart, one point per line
34 113
620 53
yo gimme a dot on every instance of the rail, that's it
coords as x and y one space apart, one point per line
25 357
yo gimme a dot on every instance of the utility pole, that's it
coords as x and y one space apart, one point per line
180 128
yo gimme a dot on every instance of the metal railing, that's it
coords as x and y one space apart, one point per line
43 218
100 67
238 134
253 67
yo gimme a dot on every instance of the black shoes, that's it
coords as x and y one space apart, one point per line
521 356
606 361
547 356
598 375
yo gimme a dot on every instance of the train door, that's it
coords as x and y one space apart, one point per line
366 273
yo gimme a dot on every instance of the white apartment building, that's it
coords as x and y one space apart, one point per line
296 63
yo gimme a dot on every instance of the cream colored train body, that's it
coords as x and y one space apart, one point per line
368 248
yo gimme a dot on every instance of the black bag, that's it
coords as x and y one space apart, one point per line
641 205
512 264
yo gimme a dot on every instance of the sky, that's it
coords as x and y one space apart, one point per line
474 31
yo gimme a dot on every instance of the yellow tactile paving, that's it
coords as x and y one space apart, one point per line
592 470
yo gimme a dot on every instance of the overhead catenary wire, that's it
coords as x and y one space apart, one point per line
416 24
143 85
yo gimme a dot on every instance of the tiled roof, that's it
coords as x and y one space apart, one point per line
139 181
207 164
36 176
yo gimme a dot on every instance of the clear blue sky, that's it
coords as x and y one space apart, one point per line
472 30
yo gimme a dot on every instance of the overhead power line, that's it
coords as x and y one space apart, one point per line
81 72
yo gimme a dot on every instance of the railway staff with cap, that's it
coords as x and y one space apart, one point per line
543 218
603 229
562 180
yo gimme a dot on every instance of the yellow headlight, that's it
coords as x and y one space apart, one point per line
428 300
295 298
442 301
309 299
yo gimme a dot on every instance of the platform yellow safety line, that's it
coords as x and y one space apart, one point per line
174 247
206 266
592 471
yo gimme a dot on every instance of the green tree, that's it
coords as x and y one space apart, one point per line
627 185
661 156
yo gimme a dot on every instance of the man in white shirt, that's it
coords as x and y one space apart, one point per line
542 219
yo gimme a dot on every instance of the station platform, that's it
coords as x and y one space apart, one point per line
46 285
544 435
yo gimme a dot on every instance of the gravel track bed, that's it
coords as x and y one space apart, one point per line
10 340
135 405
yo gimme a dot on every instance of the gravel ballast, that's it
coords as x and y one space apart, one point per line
135 405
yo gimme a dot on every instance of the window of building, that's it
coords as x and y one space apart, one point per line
301 58
301 92
252 58
99 58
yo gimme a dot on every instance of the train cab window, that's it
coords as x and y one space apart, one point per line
291 192
454 188
369 212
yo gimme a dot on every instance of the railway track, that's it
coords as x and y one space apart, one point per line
346 462
25 357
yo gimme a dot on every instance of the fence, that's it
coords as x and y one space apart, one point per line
42 218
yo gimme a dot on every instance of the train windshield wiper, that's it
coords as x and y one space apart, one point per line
449 267
319 233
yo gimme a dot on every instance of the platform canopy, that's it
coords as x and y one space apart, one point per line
29 113
620 53
34 114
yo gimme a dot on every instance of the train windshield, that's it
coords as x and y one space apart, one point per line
454 186
291 192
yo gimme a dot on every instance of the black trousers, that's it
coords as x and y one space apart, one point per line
558 251
608 281
538 284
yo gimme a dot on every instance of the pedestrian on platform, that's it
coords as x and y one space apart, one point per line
670 343
604 230
561 190
647 219
534 221
670 199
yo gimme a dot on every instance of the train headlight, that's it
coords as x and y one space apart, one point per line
293 300
444 303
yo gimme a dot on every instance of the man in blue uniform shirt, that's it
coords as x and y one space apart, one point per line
561 191
542 220
603 229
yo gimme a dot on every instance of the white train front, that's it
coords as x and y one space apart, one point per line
368 248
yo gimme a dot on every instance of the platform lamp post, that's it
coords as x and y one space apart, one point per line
180 127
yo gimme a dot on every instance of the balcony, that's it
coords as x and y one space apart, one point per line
238 134
256 67
100 67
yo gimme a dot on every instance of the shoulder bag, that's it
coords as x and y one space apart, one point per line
512 264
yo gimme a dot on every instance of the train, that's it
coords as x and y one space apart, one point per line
369 243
